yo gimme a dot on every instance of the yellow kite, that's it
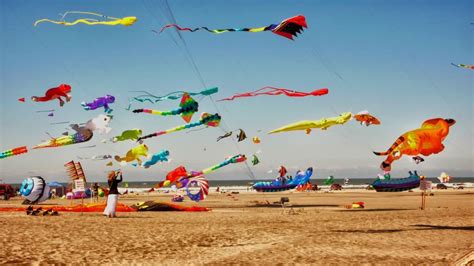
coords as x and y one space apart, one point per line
110 21
307 125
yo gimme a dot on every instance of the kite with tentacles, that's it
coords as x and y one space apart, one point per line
288 28
109 21
187 108
272 91
462 65
148 97
206 119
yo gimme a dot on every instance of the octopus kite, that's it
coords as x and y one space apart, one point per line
62 90
206 119
13 152
272 91
148 97
323 124
426 140
109 21
288 28
464 66
366 119
187 108
100 102
134 154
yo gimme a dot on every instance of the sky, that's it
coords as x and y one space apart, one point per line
392 58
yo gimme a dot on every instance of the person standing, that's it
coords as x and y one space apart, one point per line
95 192
112 198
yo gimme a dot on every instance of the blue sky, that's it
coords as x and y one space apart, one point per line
389 57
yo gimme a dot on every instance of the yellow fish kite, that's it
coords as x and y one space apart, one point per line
110 21
307 125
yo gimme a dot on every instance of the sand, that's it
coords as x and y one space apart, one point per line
316 230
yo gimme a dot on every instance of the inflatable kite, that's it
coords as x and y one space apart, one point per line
281 183
206 119
134 154
396 185
13 152
162 206
329 180
426 140
366 119
288 28
83 133
162 156
418 159
187 108
462 65
323 124
241 136
96 157
148 97
256 140
35 189
226 135
100 102
278 91
444 178
255 160
21 99
132 134
109 21
62 90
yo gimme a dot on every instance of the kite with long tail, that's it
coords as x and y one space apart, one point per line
13 152
206 119
277 91
148 97
288 28
110 21
183 179
462 65
187 108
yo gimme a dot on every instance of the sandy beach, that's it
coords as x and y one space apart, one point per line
315 229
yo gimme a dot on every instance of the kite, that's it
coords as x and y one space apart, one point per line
396 185
172 96
425 140
134 154
162 156
288 28
96 157
444 178
45 111
418 159
462 65
329 180
226 135
183 179
62 90
21 99
83 133
35 189
366 119
109 164
187 108
206 119
278 91
281 183
111 21
255 160
241 135
282 171
51 114
323 124
13 152
132 134
256 140
100 102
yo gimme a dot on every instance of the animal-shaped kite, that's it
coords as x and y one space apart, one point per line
13 152
187 108
323 124
100 102
110 21
62 90
462 65
134 155
255 160
162 156
132 134
272 91
83 133
329 180
226 135
418 159
148 97
426 140
288 28
366 119
444 178
21 99
241 136
206 119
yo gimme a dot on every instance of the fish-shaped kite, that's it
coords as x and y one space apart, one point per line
187 108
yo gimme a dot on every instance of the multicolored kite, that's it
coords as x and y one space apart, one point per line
278 91
462 65
13 152
187 108
148 97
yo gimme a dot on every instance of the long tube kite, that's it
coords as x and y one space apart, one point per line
148 97
187 108
464 66
426 140
13 152
206 119
288 28
277 91
307 125
109 21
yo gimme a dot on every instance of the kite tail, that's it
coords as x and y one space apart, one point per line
399 141
217 31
